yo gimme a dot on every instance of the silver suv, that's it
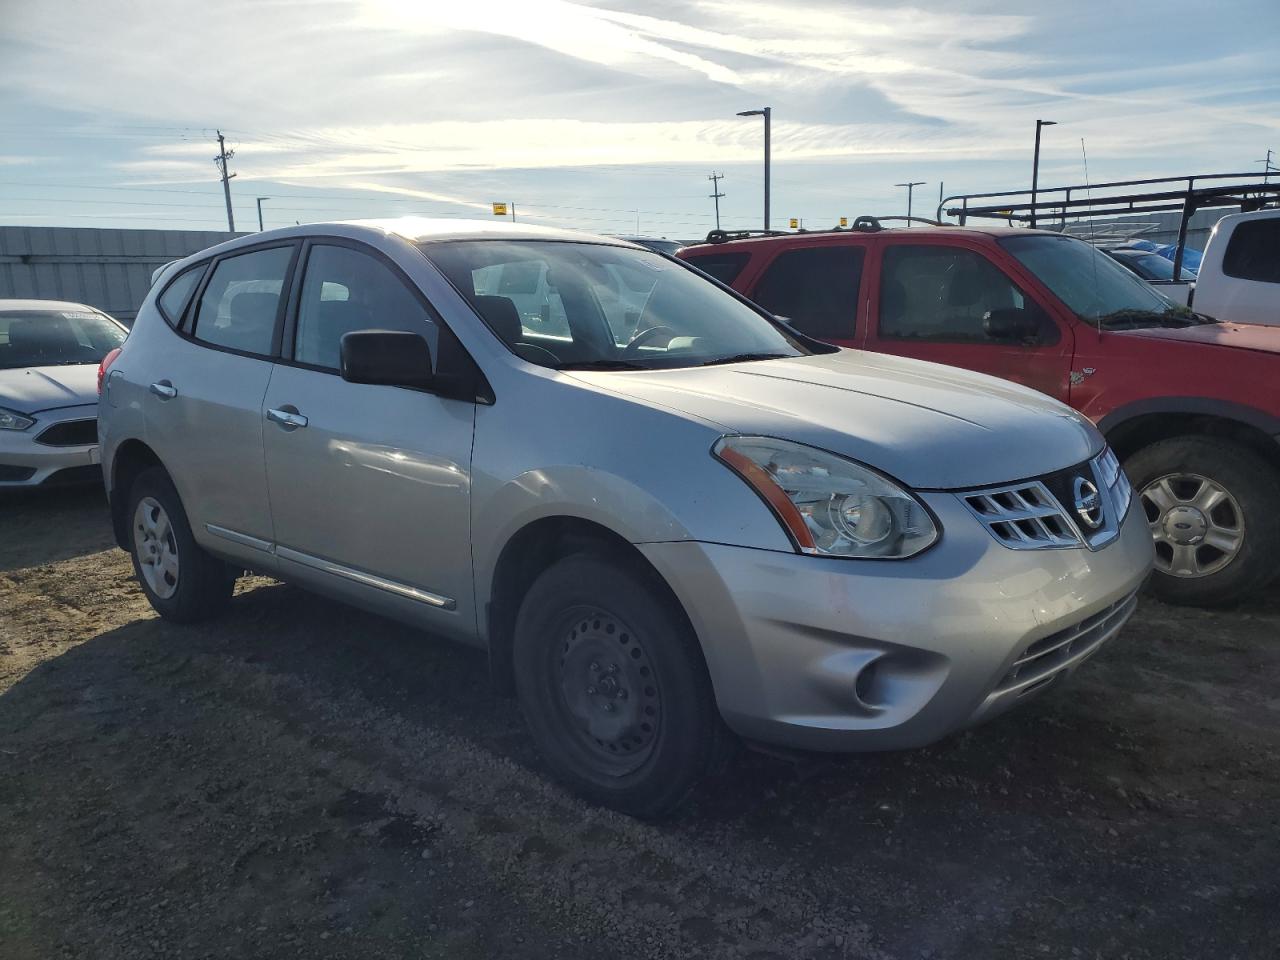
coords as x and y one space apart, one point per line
666 515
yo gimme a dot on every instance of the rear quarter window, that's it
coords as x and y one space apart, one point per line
1253 252
173 301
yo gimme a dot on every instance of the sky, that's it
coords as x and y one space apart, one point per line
609 115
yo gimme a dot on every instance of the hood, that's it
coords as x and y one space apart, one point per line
1242 336
928 425
32 389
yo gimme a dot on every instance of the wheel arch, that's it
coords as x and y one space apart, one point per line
1137 425
532 549
131 458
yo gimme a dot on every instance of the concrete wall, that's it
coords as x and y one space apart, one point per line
107 269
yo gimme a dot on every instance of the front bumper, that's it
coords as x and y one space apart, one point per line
846 655
25 461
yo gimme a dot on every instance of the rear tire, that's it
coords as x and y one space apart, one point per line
182 582
1198 492
612 683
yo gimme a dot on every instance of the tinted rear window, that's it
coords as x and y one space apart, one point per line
725 267
1253 253
815 288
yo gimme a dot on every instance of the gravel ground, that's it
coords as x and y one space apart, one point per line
302 780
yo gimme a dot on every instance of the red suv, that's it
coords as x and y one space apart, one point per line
1191 405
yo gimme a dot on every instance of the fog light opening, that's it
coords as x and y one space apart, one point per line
867 688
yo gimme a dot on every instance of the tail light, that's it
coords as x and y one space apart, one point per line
105 365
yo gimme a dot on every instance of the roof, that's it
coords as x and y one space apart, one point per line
36 306
837 236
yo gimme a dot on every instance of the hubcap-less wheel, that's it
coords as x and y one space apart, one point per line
1198 527
155 547
609 692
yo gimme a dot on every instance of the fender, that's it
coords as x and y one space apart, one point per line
1203 406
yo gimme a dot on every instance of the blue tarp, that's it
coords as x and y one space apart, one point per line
1190 256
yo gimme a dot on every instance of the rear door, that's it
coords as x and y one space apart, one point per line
203 400
949 302
818 289
370 484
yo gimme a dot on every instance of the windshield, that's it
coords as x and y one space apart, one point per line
1096 288
48 338
565 305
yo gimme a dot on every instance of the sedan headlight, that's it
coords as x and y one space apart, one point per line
829 505
13 421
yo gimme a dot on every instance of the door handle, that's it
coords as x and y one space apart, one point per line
287 417
164 389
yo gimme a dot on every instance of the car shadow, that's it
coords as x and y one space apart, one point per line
1044 824
48 524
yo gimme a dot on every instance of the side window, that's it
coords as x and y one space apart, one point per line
815 288
955 295
725 267
1253 252
344 290
174 299
239 304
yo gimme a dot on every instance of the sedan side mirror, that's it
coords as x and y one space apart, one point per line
1014 324
393 358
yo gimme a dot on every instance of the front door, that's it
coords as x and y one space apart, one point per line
948 303
370 485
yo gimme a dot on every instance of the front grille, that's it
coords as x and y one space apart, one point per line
1044 657
70 433
14 474
1043 513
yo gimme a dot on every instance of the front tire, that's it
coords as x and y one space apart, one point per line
612 683
1211 505
182 582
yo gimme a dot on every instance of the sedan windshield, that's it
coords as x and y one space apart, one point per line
1096 288
591 306
54 338
1149 266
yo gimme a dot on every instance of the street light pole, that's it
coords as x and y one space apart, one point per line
260 199
1035 167
767 113
910 188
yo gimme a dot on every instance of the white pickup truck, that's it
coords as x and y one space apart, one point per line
1239 277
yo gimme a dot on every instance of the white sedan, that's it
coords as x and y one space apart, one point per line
49 356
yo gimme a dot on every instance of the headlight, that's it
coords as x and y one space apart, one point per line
13 421
829 505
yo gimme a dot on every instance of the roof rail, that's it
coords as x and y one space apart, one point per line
724 236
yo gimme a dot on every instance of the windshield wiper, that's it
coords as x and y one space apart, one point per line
1136 319
602 365
745 357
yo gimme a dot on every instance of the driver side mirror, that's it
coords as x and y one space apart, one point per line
1015 325
392 358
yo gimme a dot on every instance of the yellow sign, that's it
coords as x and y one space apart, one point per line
844 221
794 223
499 209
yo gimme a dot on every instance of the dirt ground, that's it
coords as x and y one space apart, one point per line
303 780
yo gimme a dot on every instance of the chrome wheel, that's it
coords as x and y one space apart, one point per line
612 705
1198 527
155 547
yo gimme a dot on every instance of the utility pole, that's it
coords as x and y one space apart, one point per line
910 188
715 179
1268 167
221 160
767 113
1035 167
260 199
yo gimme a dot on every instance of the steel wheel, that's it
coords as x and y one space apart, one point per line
1198 526
155 547
612 706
